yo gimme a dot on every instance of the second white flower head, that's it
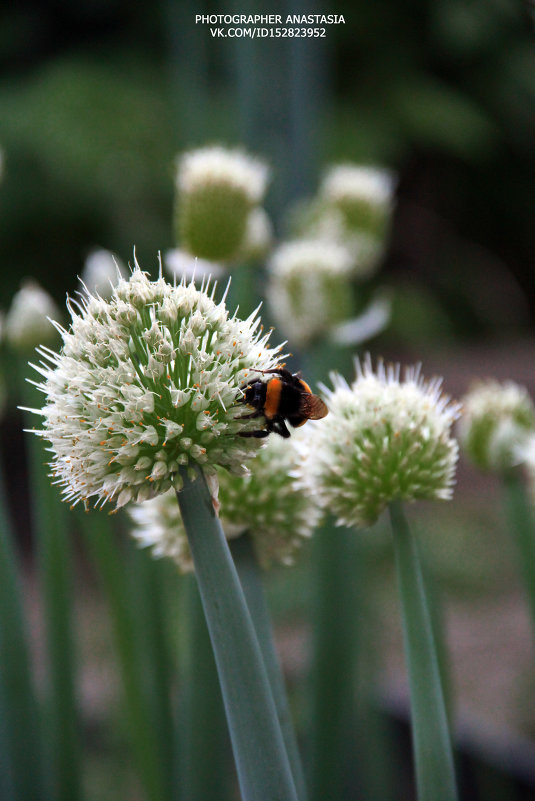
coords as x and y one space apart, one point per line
384 440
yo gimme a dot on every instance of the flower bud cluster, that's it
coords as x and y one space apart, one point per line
362 194
383 440
497 420
308 289
217 191
147 382
267 501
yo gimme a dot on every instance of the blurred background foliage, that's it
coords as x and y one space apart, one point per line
97 98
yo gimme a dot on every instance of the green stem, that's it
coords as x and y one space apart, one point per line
523 529
335 619
21 765
433 756
261 760
245 559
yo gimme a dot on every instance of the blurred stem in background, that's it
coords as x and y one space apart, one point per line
142 696
335 621
522 525
21 765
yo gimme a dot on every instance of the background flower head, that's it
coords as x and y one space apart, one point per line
217 189
27 322
497 419
267 501
384 439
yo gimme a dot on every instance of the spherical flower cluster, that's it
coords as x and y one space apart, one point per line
308 287
216 191
27 322
363 194
145 383
266 501
383 440
101 272
497 419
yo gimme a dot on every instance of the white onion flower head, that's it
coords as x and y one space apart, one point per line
309 290
28 321
148 382
216 190
364 195
268 501
385 439
497 419
102 270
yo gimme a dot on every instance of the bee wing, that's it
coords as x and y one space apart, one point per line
312 407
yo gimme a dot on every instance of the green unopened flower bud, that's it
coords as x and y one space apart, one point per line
309 290
28 321
497 419
267 501
383 440
216 191
364 196
120 418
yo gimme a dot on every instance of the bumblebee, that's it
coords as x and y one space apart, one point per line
284 397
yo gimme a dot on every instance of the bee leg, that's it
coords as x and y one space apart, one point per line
256 413
260 434
279 426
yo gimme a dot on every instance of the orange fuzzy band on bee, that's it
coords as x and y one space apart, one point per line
273 394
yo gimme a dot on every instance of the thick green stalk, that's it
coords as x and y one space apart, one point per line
109 561
21 776
261 760
334 631
202 717
522 526
245 559
433 756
